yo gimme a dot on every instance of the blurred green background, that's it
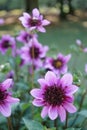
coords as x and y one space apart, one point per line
68 23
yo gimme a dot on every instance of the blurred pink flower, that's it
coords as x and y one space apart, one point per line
7 42
1 21
79 43
6 98
33 53
86 68
59 64
55 95
34 21
25 37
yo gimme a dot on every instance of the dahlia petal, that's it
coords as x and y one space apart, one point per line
70 98
66 80
67 58
71 89
64 69
42 82
50 78
41 29
21 18
5 109
60 56
12 100
70 107
43 51
53 113
36 93
7 83
44 111
62 113
85 50
37 102
35 12
32 28
26 15
45 22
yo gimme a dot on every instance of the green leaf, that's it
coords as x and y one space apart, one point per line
73 129
83 113
49 128
32 124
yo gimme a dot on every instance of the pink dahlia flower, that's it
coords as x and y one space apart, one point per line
6 98
25 37
33 52
7 42
79 43
34 21
55 96
58 65
86 68
2 21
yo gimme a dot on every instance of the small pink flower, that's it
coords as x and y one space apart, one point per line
86 68
33 52
79 43
55 95
7 42
59 64
34 21
6 98
1 21
25 37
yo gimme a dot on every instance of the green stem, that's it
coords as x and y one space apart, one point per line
55 124
66 122
10 127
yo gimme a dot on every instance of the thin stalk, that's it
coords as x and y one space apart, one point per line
56 124
10 127
66 122
33 66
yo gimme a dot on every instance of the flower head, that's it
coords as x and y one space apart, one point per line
58 65
2 21
7 42
10 74
82 48
86 68
34 21
25 37
6 98
55 95
34 51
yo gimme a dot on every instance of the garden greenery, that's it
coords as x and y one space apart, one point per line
43 92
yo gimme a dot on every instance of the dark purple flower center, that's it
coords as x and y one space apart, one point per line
34 52
54 95
5 44
34 22
27 37
57 63
3 95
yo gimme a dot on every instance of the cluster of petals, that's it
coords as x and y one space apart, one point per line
59 64
86 68
79 43
6 99
34 21
25 37
1 21
7 42
33 53
55 95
